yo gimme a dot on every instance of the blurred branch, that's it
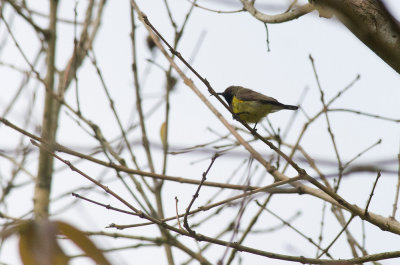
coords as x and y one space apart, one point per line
396 200
89 31
45 170
20 10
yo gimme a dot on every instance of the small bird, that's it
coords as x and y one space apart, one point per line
252 106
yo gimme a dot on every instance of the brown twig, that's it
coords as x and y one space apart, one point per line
361 153
309 239
206 238
177 212
122 168
27 18
107 206
365 114
396 200
196 195
316 116
372 194
214 10
325 251
325 111
223 202
272 170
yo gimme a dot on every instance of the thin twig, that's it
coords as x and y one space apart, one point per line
361 153
24 56
78 105
107 206
220 203
337 236
321 229
325 110
20 11
366 114
177 212
396 200
267 37
139 107
204 177
284 222
214 10
321 191
372 193
316 116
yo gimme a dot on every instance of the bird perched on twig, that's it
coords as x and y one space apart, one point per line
251 106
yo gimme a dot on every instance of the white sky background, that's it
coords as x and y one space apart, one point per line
233 52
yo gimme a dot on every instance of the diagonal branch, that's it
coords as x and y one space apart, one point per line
371 22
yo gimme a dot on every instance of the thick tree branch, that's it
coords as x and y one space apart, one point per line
371 22
45 169
279 18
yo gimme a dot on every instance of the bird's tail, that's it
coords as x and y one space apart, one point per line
291 107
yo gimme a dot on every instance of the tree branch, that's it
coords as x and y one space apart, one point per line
370 22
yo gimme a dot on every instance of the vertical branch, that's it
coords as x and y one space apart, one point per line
157 184
75 62
337 237
321 230
372 193
45 169
145 141
170 79
249 227
396 200
325 110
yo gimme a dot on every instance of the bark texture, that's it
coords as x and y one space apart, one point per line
371 22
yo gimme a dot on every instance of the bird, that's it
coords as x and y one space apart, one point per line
251 106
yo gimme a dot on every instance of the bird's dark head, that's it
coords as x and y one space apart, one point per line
229 93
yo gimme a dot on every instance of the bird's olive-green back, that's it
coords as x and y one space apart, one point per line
250 95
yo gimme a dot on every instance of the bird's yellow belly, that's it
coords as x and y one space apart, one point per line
251 111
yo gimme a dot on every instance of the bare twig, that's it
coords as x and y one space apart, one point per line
372 194
204 177
336 238
365 114
396 200
322 226
107 206
361 153
177 214
325 110
214 10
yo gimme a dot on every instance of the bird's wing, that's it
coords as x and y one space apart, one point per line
250 95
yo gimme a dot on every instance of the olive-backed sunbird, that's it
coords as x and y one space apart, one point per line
252 106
